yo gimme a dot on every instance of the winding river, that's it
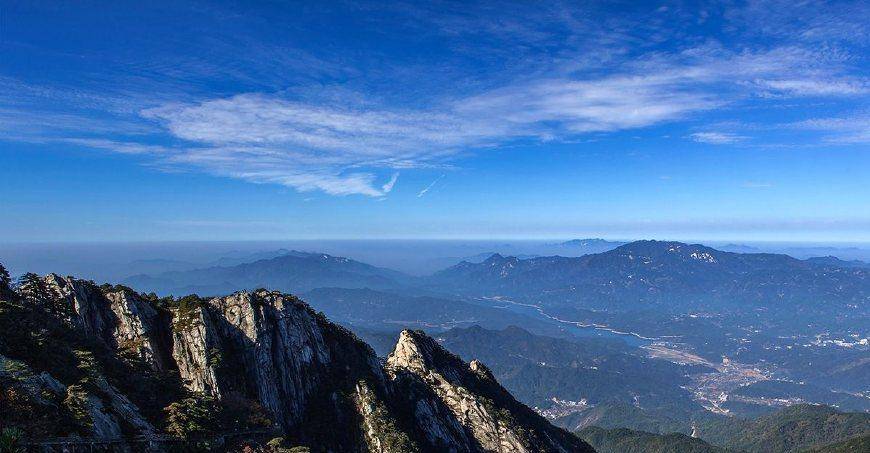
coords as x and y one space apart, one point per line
578 329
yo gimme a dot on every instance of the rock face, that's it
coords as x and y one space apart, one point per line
193 341
380 427
494 419
272 348
119 317
317 383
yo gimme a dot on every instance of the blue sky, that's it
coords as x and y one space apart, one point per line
270 120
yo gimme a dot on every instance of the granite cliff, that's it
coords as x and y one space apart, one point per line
105 362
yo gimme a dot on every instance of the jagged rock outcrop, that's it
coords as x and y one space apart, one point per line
194 341
496 421
314 381
271 347
122 319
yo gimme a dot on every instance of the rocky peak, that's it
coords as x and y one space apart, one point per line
270 347
414 351
494 419
494 258
417 352
498 259
118 316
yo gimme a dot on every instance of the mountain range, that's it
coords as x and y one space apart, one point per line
800 320
108 362
633 276
671 275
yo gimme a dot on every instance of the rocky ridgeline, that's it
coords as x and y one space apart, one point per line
315 381
491 419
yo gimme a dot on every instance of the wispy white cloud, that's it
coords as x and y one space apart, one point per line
815 87
339 144
560 107
810 21
352 130
388 186
572 75
269 138
311 146
263 138
275 166
844 130
429 187
717 138
118 146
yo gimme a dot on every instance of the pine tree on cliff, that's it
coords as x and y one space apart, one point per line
5 283
33 289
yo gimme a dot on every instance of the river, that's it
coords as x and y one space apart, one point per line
578 329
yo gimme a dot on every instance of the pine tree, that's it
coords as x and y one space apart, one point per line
32 288
5 282
196 415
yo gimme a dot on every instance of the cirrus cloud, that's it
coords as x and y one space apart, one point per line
578 76
717 138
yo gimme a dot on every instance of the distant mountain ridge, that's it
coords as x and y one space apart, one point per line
837 262
642 271
235 258
655 272
291 271
593 243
